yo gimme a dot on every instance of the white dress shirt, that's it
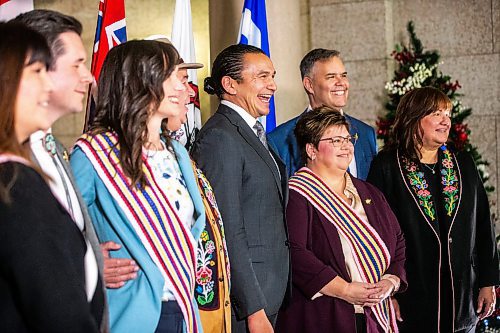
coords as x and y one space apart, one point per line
250 120
68 200
168 175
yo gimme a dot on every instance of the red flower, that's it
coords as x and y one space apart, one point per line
203 276
423 193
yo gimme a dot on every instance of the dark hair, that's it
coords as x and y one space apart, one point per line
51 25
228 63
406 133
312 125
20 46
313 56
130 87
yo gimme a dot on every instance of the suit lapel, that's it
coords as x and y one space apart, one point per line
252 139
88 232
359 154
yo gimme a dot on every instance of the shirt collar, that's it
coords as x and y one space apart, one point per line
39 135
309 108
247 117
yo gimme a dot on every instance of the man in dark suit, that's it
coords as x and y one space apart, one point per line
250 185
325 81
71 79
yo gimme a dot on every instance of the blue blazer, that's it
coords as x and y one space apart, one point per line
136 306
284 142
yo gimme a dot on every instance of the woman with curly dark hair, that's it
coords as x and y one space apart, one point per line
141 190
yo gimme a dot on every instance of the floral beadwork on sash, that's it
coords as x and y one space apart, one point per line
449 182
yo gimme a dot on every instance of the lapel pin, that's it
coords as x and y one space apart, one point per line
368 201
65 156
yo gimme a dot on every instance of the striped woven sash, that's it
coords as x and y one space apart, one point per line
168 242
370 253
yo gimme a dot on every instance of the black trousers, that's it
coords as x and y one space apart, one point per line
171 319
360 323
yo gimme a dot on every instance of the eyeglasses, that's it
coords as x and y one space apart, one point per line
338 141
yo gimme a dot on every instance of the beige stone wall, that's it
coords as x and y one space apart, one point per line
466 33
144 18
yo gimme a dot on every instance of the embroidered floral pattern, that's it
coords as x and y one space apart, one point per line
208 255
419 186
449 182
205 269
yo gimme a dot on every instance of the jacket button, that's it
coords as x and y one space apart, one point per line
287 243
226 303
221 279
450 240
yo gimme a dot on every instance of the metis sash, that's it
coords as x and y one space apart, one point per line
371 256
168 242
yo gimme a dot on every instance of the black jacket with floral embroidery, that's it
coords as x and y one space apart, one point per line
473 257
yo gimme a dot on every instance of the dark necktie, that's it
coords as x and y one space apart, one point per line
261 133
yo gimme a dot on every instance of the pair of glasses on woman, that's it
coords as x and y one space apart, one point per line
338 141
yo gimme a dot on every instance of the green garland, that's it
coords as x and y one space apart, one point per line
419 68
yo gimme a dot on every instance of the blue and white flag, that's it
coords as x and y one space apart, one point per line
253 31
183 40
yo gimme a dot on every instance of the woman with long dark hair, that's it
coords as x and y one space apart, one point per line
140 188
42 277
442 208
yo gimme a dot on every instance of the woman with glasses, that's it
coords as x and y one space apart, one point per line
346 246
443 210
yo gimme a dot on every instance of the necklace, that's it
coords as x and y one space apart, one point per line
431 168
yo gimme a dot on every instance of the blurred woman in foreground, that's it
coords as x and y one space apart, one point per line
42 277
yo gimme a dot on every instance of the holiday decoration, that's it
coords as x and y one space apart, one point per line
418 68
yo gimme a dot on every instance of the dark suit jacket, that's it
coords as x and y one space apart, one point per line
283 141
317 258
251 196
473 260
42 279
99 302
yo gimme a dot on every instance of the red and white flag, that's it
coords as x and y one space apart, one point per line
183 40
111 30
11 8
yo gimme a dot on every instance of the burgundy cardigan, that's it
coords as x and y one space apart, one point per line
317 258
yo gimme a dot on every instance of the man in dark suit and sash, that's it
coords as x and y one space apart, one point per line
325 81
250 184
